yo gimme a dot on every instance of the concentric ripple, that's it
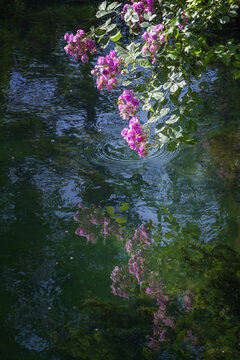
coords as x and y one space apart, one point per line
116 152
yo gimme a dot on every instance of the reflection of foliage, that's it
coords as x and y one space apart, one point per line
225 150
107 331
215 318
96 220
205 317
183 298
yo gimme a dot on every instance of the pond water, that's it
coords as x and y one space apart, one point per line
61 147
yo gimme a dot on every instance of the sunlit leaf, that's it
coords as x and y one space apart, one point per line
110 211
120 220
103 5
174 88
145 63
173 119
164 111
124 207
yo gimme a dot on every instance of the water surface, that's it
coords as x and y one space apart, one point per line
61 146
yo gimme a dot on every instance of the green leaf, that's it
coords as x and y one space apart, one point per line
120 220
172 146
145 24
147 16
157 95
164 112
191 126
153 119
127 82
224 20
173 119
135 18
121 50
131 48
116 37
174 99
105 26
167 85
219 49
173 56
145 63
113 5
204 85
110 211
232 13
165 210
104 42
174 88
237 74
124 207
147 107
182 83
128 16
163 138
111 27
99 33
129 60
103 5
234 7
191 141
100 38
102 13
140 88
236 64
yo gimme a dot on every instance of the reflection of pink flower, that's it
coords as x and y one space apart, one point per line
90 219
193 340
169 322
105 227
187 300
162 336
120 284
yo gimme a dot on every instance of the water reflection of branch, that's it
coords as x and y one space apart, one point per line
139 248
92 221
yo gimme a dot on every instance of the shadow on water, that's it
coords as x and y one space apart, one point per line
61 146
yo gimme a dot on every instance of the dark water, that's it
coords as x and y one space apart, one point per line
61 146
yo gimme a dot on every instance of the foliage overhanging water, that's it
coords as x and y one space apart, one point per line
61 146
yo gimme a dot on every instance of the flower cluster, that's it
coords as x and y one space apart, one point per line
135 247
127 104
191 339
161 319
120 284
107 70
188 300
93 221
139 7
135 137
153 41
79 45
185 19
138 266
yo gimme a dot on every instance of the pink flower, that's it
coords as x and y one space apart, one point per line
127 104
81 33
162 37
158 28
79 45
180 26
124 132
107 70
84 58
